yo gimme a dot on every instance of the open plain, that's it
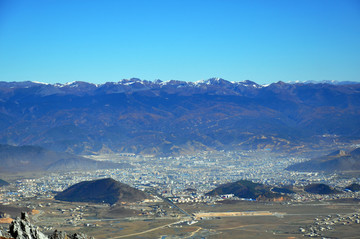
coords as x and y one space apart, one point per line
226 219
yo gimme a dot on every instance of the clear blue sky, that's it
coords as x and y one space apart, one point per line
99 41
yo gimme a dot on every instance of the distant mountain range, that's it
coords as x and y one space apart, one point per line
332 82
339 160
105 190
35 158
176 117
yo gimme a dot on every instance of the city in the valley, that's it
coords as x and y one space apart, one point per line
179 206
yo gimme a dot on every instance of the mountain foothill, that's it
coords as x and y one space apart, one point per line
30 158
339 160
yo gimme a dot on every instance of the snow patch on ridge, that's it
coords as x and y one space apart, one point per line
40 83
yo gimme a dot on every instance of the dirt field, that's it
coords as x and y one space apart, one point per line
232 214
235 220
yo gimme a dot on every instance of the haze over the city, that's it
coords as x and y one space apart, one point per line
101 41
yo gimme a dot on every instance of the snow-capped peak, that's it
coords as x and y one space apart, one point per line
40 83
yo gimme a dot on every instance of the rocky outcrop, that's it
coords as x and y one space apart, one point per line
58 235
63 235
4 234
21 228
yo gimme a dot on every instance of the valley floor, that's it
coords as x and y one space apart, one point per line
330 219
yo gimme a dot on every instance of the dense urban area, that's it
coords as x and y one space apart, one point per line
171 176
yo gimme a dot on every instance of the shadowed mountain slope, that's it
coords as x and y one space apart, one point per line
337 161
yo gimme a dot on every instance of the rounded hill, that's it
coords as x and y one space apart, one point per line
320 188
244 189
101 191
353 187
